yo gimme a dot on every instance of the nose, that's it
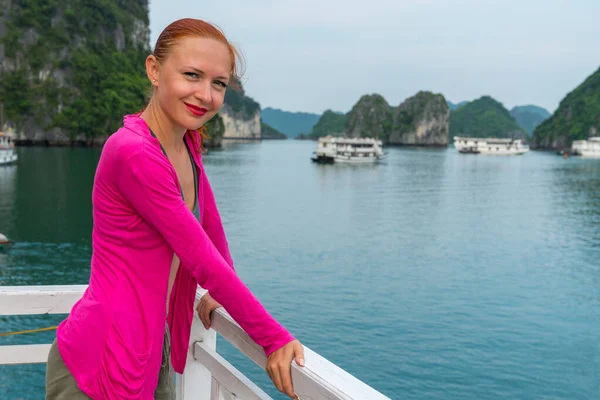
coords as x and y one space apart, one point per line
204 92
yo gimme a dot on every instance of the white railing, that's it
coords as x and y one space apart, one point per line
207 375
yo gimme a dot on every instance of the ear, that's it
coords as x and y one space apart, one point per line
152 69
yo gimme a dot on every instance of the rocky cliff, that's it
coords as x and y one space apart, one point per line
240 125
70 70
370 117
577 117
421 120
241 115
215 129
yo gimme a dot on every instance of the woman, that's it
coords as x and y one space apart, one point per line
152 207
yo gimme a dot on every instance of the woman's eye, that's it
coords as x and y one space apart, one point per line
221 83
191 74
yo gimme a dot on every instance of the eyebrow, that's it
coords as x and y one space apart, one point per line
202 72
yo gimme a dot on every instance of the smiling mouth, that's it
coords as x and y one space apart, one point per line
197 111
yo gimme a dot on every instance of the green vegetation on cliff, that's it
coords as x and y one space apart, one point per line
243 106
105 88
529 117
331 123
268 132
371 116
75 64
215 129
484 117
577 117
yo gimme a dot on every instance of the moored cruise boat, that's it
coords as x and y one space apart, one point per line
348 150
491 146
586 148
7 150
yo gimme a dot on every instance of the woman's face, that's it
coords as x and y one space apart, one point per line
191 82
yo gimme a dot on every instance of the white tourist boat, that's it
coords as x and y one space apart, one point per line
491 146
348 150
7 149
586 148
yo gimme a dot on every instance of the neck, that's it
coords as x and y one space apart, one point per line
169 134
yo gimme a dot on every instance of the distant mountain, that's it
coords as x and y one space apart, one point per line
290 123
421 120
529 117
453 106
577 117
484 117
268 132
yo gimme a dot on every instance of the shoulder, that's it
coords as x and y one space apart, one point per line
132 143
132 156
122 145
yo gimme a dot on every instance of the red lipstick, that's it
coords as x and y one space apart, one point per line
197 111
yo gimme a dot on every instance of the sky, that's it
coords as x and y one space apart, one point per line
313 55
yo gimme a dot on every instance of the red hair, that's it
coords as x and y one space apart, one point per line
187 27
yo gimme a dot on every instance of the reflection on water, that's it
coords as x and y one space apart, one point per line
53 192
227 144
8 175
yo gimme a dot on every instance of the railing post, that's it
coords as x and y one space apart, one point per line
196 381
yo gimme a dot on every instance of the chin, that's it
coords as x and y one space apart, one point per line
193 124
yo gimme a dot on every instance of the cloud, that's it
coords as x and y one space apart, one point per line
318 54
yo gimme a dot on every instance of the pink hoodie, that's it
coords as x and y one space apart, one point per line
112 340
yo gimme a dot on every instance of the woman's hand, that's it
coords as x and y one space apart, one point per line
279 363
279 366
205 306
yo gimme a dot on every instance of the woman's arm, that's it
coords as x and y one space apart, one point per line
149 183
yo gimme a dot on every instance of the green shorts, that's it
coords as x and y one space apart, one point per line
60 384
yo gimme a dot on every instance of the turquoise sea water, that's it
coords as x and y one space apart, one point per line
431 276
